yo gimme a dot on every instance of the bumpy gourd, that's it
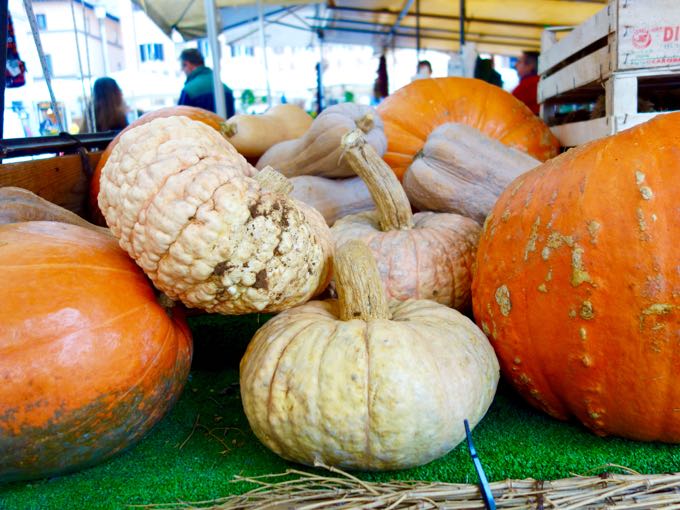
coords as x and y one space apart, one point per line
423 256
207 231
361 384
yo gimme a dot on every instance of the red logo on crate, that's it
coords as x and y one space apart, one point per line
642 38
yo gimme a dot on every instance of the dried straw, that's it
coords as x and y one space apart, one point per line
307 491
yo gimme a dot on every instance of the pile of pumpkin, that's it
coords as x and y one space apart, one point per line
567 264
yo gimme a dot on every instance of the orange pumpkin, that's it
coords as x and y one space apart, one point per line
205 116
89 361
577 283
414 111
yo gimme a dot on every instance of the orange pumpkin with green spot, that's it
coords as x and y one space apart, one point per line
577 283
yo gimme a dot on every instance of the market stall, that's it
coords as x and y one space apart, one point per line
430 289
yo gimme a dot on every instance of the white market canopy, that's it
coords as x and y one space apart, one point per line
495 26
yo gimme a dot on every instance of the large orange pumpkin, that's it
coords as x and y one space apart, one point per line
89 361
205 116
414 111
577 283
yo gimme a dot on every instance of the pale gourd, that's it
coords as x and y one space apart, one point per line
421 256
464 171
318 152
333 198
360 384
205 228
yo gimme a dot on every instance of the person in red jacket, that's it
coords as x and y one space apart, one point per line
527 69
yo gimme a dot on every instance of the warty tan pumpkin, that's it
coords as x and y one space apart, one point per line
205 228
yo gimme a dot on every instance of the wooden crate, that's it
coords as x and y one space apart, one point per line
627 47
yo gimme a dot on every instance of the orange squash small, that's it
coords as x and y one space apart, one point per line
89 360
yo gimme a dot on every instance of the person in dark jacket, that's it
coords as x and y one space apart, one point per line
198 89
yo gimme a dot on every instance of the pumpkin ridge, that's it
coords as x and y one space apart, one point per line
74 265
5 349
272 428
119 397
368 450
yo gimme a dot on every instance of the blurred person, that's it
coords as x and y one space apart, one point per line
110 110
381 84
424 70
527 90
198 88
484 71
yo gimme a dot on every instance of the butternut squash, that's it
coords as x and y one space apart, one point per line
252 135
318 152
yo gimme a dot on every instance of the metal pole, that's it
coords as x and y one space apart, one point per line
462 25
418 30
319 76
263 44
43 63
3 60
211 22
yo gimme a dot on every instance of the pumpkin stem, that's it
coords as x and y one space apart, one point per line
366 123
357 281
273 181
394 210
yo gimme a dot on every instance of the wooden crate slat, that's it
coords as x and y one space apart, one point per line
60 180
578 133
594 28
593 68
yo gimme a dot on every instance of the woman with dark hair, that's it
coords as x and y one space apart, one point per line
110 109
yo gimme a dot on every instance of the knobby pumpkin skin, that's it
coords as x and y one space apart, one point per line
358 384
206 227
89 361
199 114
414 111
577 283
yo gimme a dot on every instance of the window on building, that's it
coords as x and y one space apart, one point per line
48 61
151 52
41 20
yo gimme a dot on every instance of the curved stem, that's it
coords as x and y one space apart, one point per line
394 209
357 281
273 181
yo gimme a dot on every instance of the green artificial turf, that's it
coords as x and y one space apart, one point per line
195 451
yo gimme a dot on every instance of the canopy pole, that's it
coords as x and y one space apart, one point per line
3 37
462 25
319 75
211 24
418 30
263 44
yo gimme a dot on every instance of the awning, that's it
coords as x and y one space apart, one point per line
496 26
